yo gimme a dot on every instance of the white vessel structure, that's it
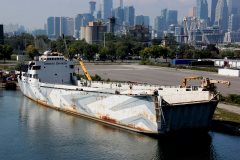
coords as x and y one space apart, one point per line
144 108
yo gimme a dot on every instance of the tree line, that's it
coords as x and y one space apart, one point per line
114 48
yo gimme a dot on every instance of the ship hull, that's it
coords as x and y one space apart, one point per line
140 113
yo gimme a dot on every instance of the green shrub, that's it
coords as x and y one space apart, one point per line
231 98
96 78
14 57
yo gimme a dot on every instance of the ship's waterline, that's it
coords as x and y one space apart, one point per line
30 131
138 107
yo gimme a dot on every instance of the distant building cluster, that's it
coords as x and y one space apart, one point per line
201 27
220 24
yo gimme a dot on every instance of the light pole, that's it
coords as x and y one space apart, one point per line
104 40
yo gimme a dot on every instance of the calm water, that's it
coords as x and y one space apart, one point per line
29 131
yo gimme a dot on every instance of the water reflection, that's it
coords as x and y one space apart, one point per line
31 131
63 133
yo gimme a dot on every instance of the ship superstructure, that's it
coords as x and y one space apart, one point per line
142 108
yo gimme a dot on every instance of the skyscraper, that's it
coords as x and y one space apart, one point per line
92 7
233 6
142 20
1 34
221 17
234 23
202 9
172 16
213 11
81 20
192 12
159 24
129 15
106 10
57 28
50 27
66 26
118 13
121 3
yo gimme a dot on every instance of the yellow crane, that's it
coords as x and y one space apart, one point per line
85 70
209 82
206 83
186 79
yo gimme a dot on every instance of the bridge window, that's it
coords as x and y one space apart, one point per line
35 76
36 67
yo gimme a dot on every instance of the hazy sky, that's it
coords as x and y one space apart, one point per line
34 13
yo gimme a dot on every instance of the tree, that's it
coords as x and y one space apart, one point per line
77 48
90 51
214 51
111 54
103 52
122 51
5 52
42 43
32 51
145 53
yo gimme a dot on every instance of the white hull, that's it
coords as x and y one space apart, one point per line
138 110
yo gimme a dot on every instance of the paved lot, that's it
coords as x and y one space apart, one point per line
159 75
230 108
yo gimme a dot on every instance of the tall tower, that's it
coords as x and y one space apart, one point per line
129 15
233 7
172 16
213 11
50 26
202 9
121 3
221 17
192 12
106 10
92 7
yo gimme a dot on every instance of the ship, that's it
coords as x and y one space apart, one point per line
145 108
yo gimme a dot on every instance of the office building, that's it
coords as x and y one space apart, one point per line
107 6
93 33
213 10
172 17
118 13
141 33
142 20
160 24
121 3
221 17
50 26
66 26
202 9
234 23
53 27
192 12
232 37
129 15
92 7
81 20
233 6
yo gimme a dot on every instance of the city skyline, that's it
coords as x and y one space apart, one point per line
25 13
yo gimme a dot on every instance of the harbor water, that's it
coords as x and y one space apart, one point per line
31 131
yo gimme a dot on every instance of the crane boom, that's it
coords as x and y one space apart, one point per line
206 83
186 79
85 70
